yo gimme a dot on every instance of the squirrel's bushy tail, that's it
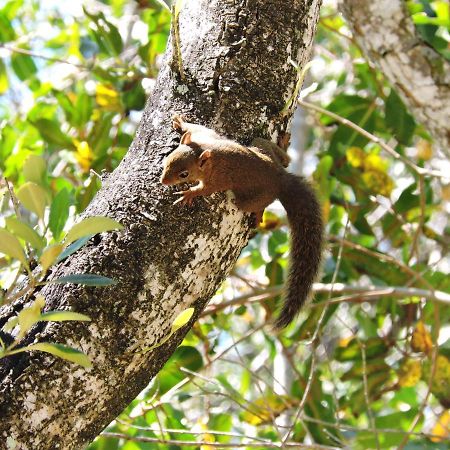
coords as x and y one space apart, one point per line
305 219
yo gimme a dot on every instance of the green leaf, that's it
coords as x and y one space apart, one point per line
72 248
59 212
10 245
50 131
29 316
90 226
83 109
33 197
105 33
25 232
62 351
23 66
34 169
86 279
62 316
182 319
6 29
49 256
398 120
184 356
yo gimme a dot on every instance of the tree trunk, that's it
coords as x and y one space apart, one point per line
417 72
238 77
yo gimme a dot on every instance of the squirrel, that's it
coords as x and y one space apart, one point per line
257 176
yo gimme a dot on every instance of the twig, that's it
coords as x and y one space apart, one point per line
361 292
14 200
365 430
195 433
375 139
215 444
366 393
419 231
315 339
186 380
23 51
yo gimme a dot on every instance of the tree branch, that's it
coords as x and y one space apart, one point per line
419 74
166 259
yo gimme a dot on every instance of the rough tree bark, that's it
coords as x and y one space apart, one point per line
236 58
418 73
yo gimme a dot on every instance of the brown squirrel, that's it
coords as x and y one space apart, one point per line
257 176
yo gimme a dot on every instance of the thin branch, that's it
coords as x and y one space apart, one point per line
360 292
215 444
419 231
24 51
315 338
366 393
383 257
195 433
375 139
186 380
365 430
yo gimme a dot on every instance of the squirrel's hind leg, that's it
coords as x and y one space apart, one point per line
270 149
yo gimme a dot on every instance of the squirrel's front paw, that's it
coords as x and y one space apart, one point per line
177 122
186 199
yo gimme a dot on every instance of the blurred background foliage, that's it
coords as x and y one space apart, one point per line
367 364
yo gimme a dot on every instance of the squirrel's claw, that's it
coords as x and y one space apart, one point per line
186 198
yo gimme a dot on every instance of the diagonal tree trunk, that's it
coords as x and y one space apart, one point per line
237 78
417 72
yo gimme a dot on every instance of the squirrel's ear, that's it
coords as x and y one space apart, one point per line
186 138
204 157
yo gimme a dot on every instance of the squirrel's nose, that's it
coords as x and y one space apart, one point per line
165 180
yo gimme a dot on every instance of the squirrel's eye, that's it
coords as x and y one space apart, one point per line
184 174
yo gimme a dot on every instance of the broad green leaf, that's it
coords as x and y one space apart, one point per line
105 34
6 29
25 232
184 356
50 255
59 212
34 168
182 319
91 225
50 131
33 197
62 316
86 279
23 66
30 315
72 248
62 351
398 120
10 245
83 109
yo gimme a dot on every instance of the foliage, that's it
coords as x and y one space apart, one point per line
31 247
367 363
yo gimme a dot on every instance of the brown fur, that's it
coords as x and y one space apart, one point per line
257 177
